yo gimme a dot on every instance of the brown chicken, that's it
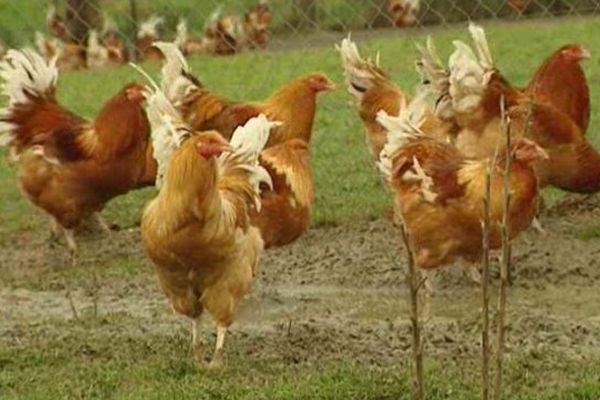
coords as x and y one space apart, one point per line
439 193
146 36
560 82
197 230
476 88
285 212
256 26
374 91
56 24
404 12
294 105
69 167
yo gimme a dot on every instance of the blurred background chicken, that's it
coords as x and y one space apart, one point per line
439 193
197 230
256 25
67 166
147 34
189 44
56 24
404 12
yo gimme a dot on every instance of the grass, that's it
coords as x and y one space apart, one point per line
89 359
76 366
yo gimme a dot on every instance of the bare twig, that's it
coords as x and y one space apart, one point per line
485 277
414 284
505 265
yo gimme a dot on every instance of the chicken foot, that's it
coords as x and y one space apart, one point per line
102 224
217 360
72 245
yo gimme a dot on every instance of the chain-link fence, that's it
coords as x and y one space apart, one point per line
124 28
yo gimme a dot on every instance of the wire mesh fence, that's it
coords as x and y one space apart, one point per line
95 34
225 27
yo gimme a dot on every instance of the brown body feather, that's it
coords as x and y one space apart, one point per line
294 105
560 82
285 212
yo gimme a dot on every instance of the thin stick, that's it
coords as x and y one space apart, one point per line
414 284
505 265
485 277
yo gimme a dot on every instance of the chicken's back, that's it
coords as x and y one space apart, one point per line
560 82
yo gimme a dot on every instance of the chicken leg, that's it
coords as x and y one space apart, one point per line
217 359
197 344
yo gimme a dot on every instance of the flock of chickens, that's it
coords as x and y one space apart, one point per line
234 178
223 35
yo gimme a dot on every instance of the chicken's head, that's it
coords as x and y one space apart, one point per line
320 83
135 92
211 144
575 53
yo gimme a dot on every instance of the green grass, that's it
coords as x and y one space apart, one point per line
75 365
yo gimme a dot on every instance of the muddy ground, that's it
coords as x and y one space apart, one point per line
336 294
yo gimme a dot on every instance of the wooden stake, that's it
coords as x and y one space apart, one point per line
414 284
485 277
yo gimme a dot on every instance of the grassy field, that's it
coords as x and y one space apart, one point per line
109 356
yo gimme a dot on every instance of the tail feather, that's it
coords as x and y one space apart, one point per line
435 78
248 142
168 131
177 81
181 36
481 46
361 74
470 72
402 129
150 26
25 73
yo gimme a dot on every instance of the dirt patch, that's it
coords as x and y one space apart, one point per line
336 294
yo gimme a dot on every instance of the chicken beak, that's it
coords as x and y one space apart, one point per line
585 53
542 154
330 86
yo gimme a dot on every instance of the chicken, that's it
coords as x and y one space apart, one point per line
225 34
70 56
476 88
114 43
97 53
374 91
146 36
189 45
68 167
404 12
561 83
56 24
439 193
285 212
197 230
294 104
520 6
256 25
